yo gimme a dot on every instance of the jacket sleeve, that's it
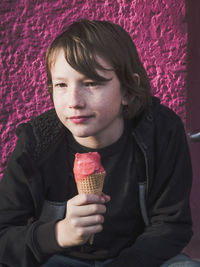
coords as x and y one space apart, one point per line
18 224
168 203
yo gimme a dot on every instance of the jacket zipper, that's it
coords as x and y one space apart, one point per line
145 158
143 186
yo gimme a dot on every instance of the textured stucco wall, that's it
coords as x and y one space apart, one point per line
28 26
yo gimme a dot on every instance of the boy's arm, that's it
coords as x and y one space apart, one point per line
16 211
168 206
18 219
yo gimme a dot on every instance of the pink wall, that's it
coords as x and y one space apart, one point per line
27 28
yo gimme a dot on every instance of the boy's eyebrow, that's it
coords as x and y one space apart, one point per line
83 78
58 78
65 78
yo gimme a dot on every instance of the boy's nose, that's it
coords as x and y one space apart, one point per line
75 98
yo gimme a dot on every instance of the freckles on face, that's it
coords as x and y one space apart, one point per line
87 108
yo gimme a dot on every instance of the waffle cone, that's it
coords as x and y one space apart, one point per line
92 184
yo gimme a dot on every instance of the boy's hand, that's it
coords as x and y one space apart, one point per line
84 217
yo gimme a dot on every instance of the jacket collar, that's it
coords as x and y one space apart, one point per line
143 134
144 125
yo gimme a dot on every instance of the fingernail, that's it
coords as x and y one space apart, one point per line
108 198
103 199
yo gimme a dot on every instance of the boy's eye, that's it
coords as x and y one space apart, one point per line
60 85
91 84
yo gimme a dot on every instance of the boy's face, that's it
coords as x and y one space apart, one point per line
89 109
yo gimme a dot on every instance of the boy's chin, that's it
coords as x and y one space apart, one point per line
80 134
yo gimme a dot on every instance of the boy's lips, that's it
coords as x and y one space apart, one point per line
79 119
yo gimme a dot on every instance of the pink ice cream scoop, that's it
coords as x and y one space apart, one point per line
87 164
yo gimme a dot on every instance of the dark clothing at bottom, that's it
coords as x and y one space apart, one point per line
62 261
180 260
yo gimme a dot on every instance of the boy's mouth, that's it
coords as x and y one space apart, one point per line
79 119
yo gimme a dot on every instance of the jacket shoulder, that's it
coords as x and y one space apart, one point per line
165 116
41 132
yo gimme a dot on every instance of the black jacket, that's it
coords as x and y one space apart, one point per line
164 179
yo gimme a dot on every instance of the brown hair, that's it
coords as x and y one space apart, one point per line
82 41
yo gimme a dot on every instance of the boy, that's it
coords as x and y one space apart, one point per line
103 103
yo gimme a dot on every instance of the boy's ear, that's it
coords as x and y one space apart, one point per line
124 101
137 78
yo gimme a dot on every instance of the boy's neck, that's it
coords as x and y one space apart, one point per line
96 142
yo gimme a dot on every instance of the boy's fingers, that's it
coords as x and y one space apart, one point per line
87 210
88 231
84 199
106 197
85 205
88 221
